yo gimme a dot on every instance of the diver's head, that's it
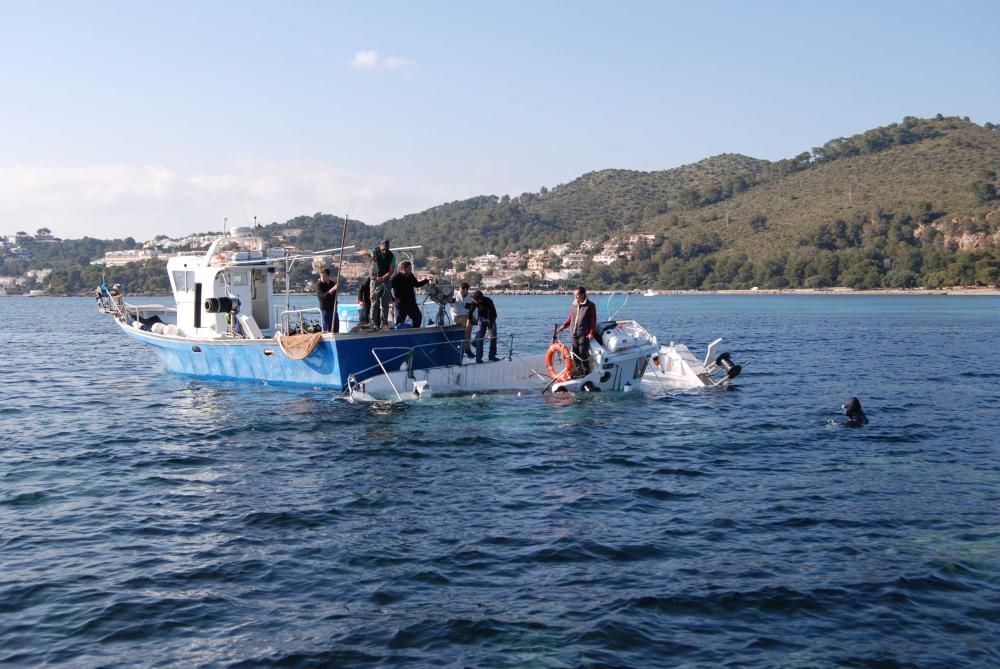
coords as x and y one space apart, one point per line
855 415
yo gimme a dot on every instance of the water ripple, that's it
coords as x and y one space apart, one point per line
172 522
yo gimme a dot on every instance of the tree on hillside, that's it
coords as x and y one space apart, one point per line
983 192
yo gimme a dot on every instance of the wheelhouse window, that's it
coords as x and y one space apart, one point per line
183 281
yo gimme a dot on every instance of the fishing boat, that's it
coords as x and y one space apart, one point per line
227 323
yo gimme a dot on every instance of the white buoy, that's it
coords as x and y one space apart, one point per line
627 388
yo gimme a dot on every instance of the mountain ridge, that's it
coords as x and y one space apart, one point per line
882 208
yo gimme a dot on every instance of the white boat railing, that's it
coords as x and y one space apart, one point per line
410 352
287 316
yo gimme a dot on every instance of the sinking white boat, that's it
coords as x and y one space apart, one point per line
675 366
624 357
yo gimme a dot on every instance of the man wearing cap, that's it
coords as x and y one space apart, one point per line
383 267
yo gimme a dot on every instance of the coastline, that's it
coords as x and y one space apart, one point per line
983 291
957 290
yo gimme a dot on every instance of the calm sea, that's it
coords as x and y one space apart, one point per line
153 520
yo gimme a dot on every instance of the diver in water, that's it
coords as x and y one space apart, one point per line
855 415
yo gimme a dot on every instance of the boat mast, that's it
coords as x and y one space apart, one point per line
340 266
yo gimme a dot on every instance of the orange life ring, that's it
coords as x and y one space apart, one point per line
567 372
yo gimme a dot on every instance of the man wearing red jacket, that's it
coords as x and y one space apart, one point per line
582 322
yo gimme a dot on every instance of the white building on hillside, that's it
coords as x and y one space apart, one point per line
119 258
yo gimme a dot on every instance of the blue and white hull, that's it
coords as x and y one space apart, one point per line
334 360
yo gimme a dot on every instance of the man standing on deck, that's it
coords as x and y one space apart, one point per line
383 267
464 314
582 321
487 314
404 294
326 291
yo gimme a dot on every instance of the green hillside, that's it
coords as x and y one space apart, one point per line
901 179
908 204
891 207
594 206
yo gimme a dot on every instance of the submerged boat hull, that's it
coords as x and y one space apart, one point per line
618 359
331 364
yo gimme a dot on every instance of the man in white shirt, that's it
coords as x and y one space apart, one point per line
461 307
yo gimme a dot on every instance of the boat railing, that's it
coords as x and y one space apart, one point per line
297 316
112 304
410 353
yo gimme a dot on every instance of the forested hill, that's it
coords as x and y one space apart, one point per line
908 204
594 206
902 205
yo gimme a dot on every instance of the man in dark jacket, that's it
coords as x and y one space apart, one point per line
582 322
383 266
326 291
404 294
365 301
487 313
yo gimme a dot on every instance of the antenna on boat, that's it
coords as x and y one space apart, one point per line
340 266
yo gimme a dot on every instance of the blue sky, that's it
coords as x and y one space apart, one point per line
143 117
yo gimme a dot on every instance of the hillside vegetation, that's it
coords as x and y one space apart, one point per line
909 204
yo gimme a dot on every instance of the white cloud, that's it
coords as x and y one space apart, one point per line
142 201
370 60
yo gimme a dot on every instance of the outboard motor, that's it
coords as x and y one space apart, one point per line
726 362
855 415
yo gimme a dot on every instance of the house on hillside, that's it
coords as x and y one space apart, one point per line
120 258
45 235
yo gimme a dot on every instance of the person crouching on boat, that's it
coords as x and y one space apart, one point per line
487 314
326 291
582 322
404 294
116 296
